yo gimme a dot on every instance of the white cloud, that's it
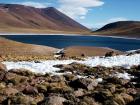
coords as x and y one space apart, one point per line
117 19
78 8
35 4
82 17
110 21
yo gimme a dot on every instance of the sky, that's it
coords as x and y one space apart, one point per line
91 13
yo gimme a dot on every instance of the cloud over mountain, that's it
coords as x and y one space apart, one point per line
78 8
35 4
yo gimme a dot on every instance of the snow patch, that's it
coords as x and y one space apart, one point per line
47 66
124 76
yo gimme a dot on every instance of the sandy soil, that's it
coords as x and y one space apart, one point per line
12 49
88 51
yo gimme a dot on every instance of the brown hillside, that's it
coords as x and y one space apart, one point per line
13 16
122 28
9 47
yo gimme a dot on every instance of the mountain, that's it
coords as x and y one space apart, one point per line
121 28
20 18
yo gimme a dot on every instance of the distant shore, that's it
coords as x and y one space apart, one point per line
69 34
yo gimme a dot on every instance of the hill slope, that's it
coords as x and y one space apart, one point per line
13 16
12 50
121 28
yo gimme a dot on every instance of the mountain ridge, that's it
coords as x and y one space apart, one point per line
26 17
121 28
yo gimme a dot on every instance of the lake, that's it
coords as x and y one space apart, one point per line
61 41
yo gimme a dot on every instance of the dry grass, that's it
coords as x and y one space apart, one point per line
38 31
16 50
88 51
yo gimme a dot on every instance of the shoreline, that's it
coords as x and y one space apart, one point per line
110 36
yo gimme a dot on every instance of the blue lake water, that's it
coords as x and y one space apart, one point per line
61 41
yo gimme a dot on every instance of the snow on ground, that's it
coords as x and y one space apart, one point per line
123 76
42 67
122 60
47 66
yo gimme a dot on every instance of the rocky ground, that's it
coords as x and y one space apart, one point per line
78 85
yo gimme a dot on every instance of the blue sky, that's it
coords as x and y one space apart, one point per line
91 13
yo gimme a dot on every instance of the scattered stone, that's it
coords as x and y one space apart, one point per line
88 101
57 78
79 93
22 100
2 85
119 99
9 91
117 80
82 86
84 83
2 99
22 72
127 98
30 90
3 67
14 78
70 77
55 100
41 88
110 54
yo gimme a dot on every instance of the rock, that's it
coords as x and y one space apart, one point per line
14 78
39 98
70 77
22 72
9 91
136 67
119 99
110 102
57 78
3 70
116 80
79 67
41 88
120 89
3 67
102 95
55 100
110 54
84 83
2 75
2 99
88 101
22 100
111 87
59 87
64 67
127 98
79 93
38 80
2 85
71 99
123 98
37 61
30 90
135 102
131 91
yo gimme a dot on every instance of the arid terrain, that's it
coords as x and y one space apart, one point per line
9 48
88 51
122 28
25 19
